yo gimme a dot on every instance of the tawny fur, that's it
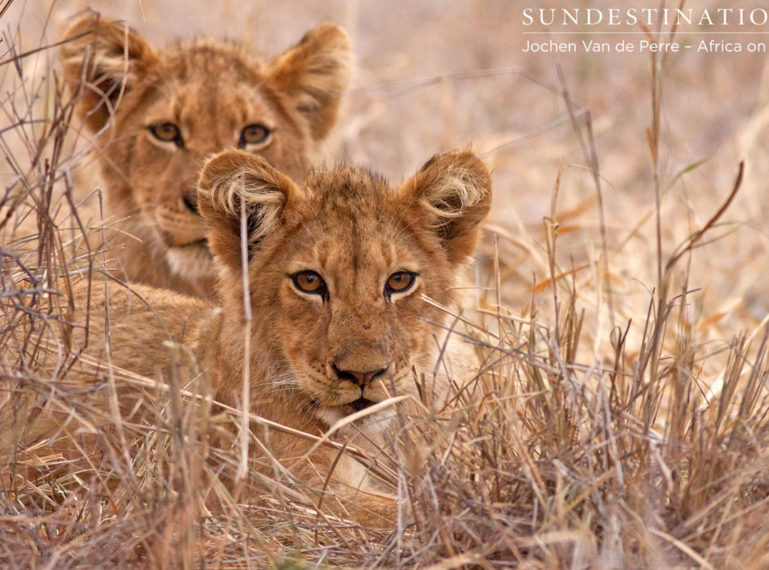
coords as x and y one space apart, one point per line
355 231
210 90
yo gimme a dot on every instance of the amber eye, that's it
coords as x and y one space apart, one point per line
254 134
400 282
167 132
309 282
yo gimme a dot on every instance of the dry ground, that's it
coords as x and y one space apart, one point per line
623 422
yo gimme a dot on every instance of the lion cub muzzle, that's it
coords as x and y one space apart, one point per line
362 380
180 228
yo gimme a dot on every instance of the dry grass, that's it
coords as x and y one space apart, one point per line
619 414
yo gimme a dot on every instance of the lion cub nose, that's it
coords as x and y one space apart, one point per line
190 200
361 379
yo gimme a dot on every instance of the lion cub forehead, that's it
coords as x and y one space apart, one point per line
347 191
208 57
351 217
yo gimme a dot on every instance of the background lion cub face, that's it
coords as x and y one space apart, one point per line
338 267
161 113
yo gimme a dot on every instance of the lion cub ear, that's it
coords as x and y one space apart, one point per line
101 59
314 74
451 195
233 183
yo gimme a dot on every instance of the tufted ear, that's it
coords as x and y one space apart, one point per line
452 196
101 59
314 74
234 182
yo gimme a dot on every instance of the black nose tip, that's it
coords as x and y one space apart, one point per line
190 200
358 378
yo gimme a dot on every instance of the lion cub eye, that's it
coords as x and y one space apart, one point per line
254 134
399 282
309 282
167 132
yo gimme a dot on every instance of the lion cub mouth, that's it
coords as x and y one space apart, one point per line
360 404
202 242
356 405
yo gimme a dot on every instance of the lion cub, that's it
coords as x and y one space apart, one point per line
159 113
334 272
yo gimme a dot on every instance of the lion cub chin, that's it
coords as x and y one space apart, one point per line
334 274
157 114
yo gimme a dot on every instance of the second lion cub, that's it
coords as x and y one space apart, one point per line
159 113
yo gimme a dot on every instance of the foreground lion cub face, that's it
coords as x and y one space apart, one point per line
337 271
159 114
